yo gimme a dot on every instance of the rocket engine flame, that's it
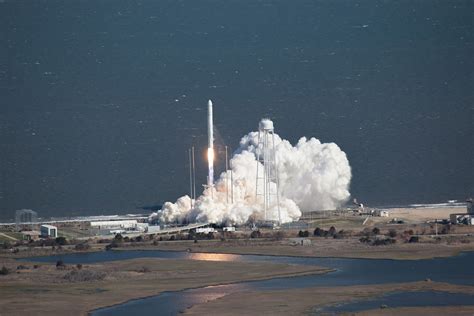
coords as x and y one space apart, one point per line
210 161
312 176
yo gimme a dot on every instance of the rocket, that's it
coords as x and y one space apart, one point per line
210 146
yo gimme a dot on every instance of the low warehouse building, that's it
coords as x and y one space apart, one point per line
122 224
49 231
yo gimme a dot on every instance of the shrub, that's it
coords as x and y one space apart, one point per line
82 246
392 233
113 244
413 239
4 271
364 239
61 241
79 266
172 237
303 233
318 232
383 242
143 270
375 231
255 234
332 231
60 264
446 229
118 238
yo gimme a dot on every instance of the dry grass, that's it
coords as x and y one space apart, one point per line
50 290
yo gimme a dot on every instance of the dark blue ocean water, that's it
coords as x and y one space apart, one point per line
100 99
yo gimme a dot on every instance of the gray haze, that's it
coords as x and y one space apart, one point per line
100 99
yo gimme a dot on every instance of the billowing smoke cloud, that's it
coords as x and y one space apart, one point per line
312 176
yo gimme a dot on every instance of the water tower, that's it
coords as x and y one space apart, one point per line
267 187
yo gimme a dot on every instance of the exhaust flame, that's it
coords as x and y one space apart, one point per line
210 161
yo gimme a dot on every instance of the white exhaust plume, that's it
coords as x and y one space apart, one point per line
312 176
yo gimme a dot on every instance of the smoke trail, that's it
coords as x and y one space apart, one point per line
313 176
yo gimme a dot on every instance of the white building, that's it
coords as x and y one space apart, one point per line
49 231
205 230
381 213
122 224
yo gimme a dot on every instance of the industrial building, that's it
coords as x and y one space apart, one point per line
205 230
121 224
464 218
49 231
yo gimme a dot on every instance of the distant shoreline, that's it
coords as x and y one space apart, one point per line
141 215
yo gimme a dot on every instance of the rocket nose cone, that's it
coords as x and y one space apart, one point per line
209 103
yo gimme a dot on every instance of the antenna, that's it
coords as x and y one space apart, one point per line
227 172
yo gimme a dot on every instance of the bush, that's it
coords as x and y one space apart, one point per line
82 246
318 232
22 267
255 234
61 241
383 242
392 233
143 270
4 271
332 231
60 264
364 239
118 238
375 231
413 239
303 233
7 245
113 244
446 229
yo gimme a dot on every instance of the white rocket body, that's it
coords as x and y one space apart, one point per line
210 147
